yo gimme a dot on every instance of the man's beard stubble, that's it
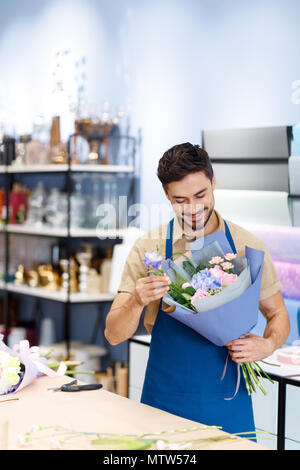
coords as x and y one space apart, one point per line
197 225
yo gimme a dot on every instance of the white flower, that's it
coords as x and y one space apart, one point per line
9 371
162 445
21 440
4 387
11 376
34 428
153 256
55 444
185 285
4 359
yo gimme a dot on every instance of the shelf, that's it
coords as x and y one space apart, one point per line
42 230
62 168
103 168
37 292
91 232
81 297
49 231
76 297
36 168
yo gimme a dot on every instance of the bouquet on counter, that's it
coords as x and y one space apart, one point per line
215 293
10 373
22 364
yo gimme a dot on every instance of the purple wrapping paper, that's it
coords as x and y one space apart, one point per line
282 241
235 318
289 276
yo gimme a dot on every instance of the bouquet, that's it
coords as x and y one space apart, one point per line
22 364
215 293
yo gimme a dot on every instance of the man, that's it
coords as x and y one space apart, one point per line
184 369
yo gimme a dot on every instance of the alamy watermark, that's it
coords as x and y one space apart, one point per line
112 218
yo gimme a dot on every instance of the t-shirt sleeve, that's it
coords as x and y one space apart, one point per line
133 268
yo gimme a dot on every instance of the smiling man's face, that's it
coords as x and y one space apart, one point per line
192 199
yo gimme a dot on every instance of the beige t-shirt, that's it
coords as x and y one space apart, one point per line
156 239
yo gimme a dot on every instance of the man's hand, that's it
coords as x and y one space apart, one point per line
254 348
151 288
250 348
123 318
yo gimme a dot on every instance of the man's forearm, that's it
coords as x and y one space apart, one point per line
278 323
277 330
123 321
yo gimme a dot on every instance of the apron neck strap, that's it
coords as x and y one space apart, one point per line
229 237
169 240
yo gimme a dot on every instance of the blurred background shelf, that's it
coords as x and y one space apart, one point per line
61 168
50 231
36 168
43 199
42 230
76 297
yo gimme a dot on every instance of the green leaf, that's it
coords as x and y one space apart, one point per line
179 278
177 253
189 267
189 290
186 296
123 444
200 267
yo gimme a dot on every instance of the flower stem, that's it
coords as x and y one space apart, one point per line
249 376
246 378
254 376
264 372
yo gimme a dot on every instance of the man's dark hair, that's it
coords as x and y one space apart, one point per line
181 160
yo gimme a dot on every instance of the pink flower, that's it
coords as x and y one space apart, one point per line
227 265
216 271
230 256
216 260
199 294
228 279
185 285
224 277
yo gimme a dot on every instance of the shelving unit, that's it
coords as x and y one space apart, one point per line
75 297
47 231
61 168
10 170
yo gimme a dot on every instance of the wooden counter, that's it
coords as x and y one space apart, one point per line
92 412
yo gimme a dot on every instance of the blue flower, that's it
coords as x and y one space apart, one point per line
152 260
204 280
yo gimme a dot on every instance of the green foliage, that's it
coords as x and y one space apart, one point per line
179 278
200 267
190 290
180 296
123 443
189 267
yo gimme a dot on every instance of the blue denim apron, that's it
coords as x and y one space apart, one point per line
184 371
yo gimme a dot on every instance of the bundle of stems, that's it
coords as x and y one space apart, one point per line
252 373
